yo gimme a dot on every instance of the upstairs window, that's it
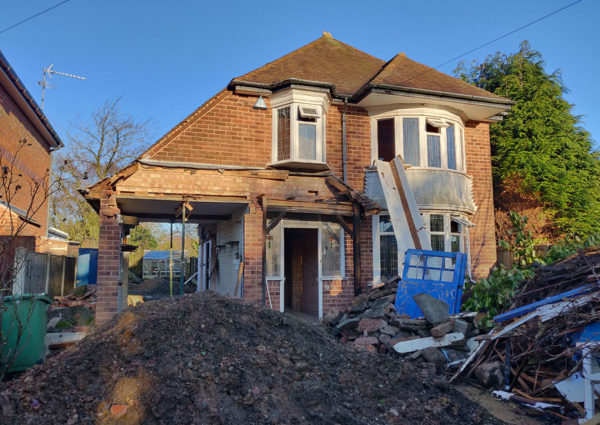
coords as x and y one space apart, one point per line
299 128
423 141
386 141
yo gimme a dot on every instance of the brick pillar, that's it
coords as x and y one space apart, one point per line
109 256
253 245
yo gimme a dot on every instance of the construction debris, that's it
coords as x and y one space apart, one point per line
541 342
371 323
208 359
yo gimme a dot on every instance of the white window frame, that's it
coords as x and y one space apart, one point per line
300 224
299 101
465 246
377 249
438 118
448 217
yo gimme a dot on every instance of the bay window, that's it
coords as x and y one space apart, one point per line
429 139
299 128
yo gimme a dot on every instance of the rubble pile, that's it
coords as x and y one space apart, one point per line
438 340
208 359
535 351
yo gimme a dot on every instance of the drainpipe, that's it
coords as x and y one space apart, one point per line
344 156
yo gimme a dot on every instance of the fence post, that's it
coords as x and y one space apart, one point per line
62 281
47 284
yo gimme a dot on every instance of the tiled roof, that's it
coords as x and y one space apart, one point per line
22 91
404 72
325 60
350 71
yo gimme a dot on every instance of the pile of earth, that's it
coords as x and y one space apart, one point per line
208 359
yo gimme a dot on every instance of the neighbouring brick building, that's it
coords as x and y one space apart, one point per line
26 142
277 169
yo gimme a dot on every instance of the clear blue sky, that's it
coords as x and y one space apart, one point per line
167 58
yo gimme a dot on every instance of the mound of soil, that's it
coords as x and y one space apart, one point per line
207 359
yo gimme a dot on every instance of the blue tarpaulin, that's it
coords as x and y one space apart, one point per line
439 274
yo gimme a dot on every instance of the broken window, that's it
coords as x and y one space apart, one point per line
411 141
331 249
388 248
386 144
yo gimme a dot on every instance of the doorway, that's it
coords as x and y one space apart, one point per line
301 260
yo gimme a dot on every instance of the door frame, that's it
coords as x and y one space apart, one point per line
299 224
204 260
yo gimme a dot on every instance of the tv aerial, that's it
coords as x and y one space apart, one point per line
48 75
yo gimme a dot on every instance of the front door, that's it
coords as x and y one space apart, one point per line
301 270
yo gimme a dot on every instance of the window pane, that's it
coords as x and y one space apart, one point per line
454 227
331 250
388 254
434 155
436 223
454 243
273 252
410 131
431 128
283 134
307 143
437 243
386 140
385 224
451 143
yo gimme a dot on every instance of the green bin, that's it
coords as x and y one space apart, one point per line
28 312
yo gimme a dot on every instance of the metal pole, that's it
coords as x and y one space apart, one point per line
171 262
182 250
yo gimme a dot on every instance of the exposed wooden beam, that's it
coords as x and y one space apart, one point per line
306 207
190 198
345 226
171 217
275 221
356 253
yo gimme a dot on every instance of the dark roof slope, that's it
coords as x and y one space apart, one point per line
330 63
26 96
403 72
325 60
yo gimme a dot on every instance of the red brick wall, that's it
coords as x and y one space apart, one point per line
483 235
109 257
225 131
30 160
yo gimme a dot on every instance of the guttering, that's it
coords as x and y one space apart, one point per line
288 82
387 89
194 165
16 89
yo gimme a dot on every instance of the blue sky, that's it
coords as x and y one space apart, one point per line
167 58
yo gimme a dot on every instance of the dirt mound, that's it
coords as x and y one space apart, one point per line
207 359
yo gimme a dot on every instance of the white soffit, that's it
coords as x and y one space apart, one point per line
471 109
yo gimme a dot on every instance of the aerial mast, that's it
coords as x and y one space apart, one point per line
48 75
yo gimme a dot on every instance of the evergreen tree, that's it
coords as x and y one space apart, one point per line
540 143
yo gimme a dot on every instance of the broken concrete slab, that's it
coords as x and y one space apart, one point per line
460 326
422 343
371 325
435 311
442 329
389 330
410 324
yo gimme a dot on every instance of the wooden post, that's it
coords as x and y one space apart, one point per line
264 250
62 281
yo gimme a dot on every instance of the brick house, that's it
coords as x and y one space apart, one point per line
26 142
277 169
